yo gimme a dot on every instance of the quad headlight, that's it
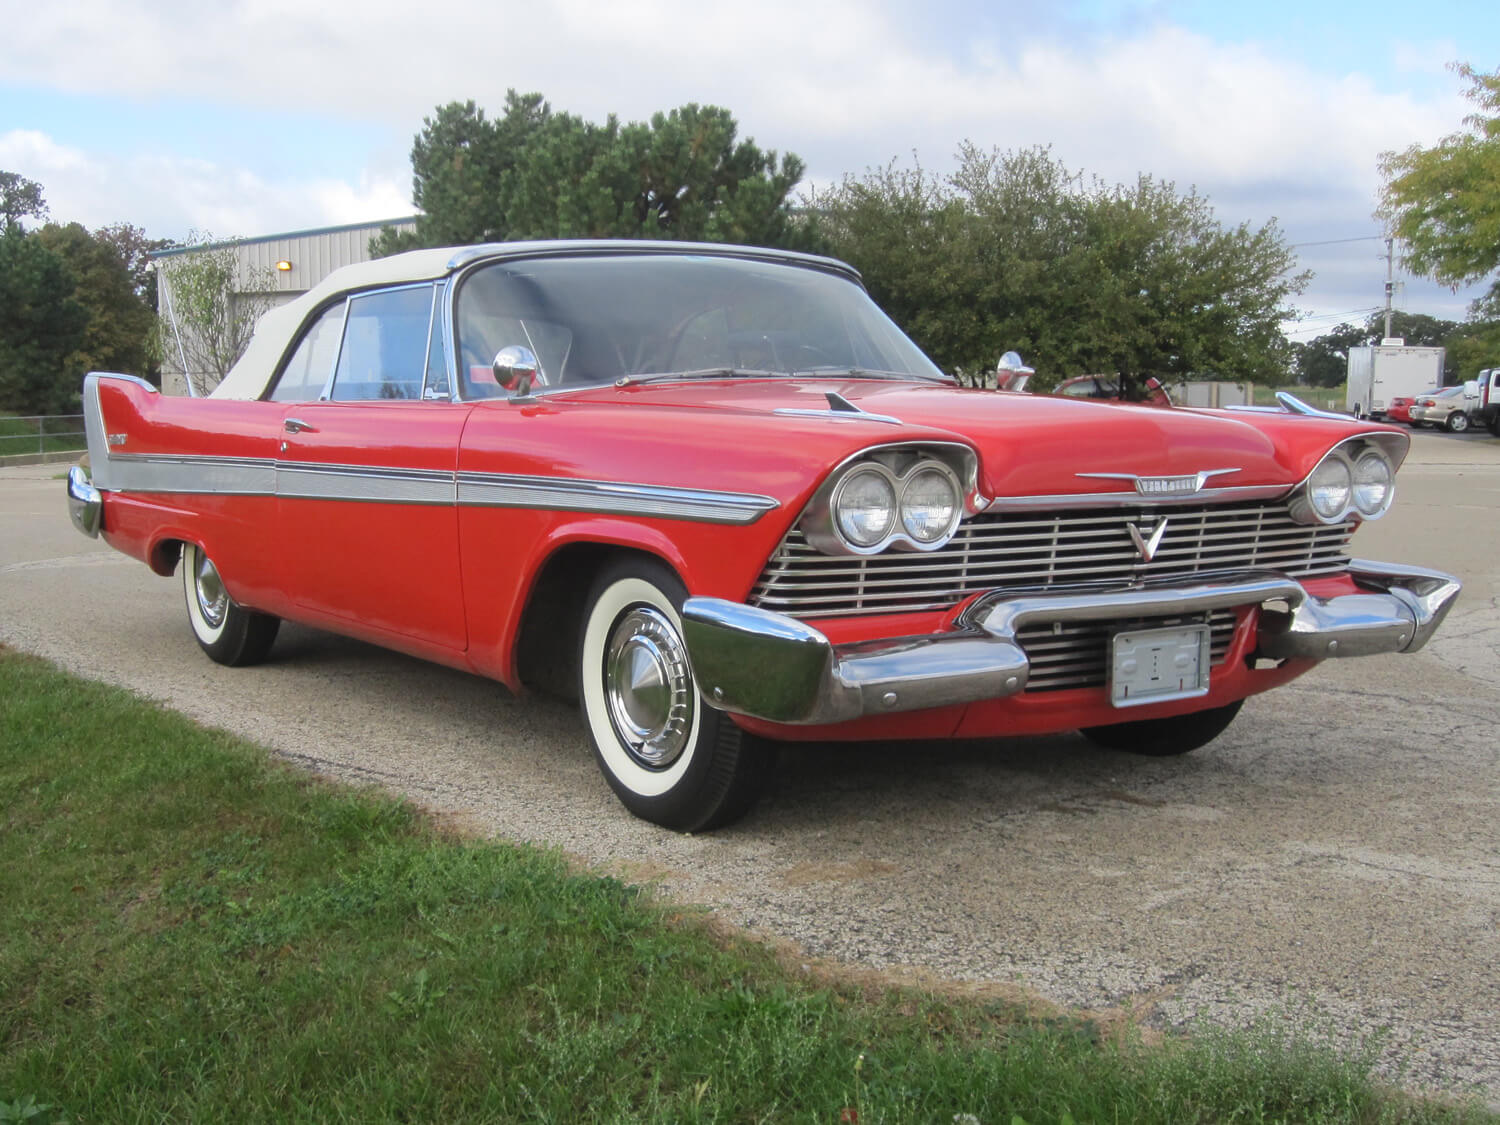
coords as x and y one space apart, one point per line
904 502
864 507
1329 487
929 503
1352 480
1374 484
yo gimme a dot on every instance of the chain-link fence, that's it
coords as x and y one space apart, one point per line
40 437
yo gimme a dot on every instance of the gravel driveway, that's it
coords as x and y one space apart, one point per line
1332 858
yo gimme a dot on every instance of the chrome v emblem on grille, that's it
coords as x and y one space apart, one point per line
1147 547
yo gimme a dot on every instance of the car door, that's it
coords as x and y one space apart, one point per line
365 477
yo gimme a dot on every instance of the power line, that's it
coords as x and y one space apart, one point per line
1337 241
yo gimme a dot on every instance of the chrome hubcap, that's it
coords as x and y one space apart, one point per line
213 599
649 686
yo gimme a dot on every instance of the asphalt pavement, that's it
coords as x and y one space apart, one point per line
1333 859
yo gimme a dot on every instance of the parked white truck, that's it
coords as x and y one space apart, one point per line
1486 410
1380 372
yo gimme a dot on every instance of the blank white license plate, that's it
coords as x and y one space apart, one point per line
1155 665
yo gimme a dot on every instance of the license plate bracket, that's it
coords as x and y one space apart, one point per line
1157 665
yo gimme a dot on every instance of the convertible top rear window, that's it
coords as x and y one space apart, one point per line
591 320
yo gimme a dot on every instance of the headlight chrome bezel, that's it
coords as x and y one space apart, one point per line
900 466
1345 460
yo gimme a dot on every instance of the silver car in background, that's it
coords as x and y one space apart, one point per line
1447 408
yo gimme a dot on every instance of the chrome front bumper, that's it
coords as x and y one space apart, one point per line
773 667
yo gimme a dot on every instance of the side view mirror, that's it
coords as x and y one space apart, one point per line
1011 374
1471 388
517 370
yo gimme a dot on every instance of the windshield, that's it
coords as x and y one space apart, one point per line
592 320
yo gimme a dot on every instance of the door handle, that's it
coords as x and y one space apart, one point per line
297 426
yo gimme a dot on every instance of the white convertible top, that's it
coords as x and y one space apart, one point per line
248 378
250 373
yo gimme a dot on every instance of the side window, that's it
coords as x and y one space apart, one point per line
385 346
436 386
306 373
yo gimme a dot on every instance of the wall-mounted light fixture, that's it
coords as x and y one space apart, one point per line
283 265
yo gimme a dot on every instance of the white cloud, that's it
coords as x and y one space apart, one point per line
847 85
170 195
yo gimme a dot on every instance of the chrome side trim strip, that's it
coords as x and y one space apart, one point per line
310 481
189 474
501 490
249 476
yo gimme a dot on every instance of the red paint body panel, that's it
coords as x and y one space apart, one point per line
390 567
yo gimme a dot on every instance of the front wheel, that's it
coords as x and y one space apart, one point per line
669 757
1458 422
1165 738
228 632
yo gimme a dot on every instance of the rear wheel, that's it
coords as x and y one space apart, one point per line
669 757
229 633
1165 738
1457 422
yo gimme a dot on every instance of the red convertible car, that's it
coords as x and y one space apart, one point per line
717 494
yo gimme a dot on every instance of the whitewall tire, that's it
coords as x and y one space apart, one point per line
670 758
226 631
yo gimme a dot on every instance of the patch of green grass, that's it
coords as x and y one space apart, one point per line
27 435
194 933
1324 398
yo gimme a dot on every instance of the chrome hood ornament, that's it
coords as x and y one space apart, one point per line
1146 545
1185 485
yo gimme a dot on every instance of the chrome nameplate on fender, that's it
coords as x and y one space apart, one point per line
1185 484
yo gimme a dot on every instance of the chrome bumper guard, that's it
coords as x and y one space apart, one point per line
774 667
85 506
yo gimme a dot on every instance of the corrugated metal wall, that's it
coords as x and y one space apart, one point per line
313 255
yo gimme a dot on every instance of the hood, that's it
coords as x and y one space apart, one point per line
1029 445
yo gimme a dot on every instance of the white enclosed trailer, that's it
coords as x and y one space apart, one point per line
1379 373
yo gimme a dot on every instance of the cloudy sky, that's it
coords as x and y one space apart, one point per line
249 117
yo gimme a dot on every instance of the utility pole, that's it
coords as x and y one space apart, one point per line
1390 282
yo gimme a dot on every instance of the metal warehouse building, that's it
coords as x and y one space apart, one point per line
290 263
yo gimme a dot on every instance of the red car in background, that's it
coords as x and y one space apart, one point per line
1400 410
1106 388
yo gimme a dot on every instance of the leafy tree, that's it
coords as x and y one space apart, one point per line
209 309
1444 202
135 250
536 173
41 325
1323 361
20 198
120 323
1014 250
1418 329
1472 346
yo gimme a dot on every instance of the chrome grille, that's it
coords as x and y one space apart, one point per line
1076 654
1033 549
